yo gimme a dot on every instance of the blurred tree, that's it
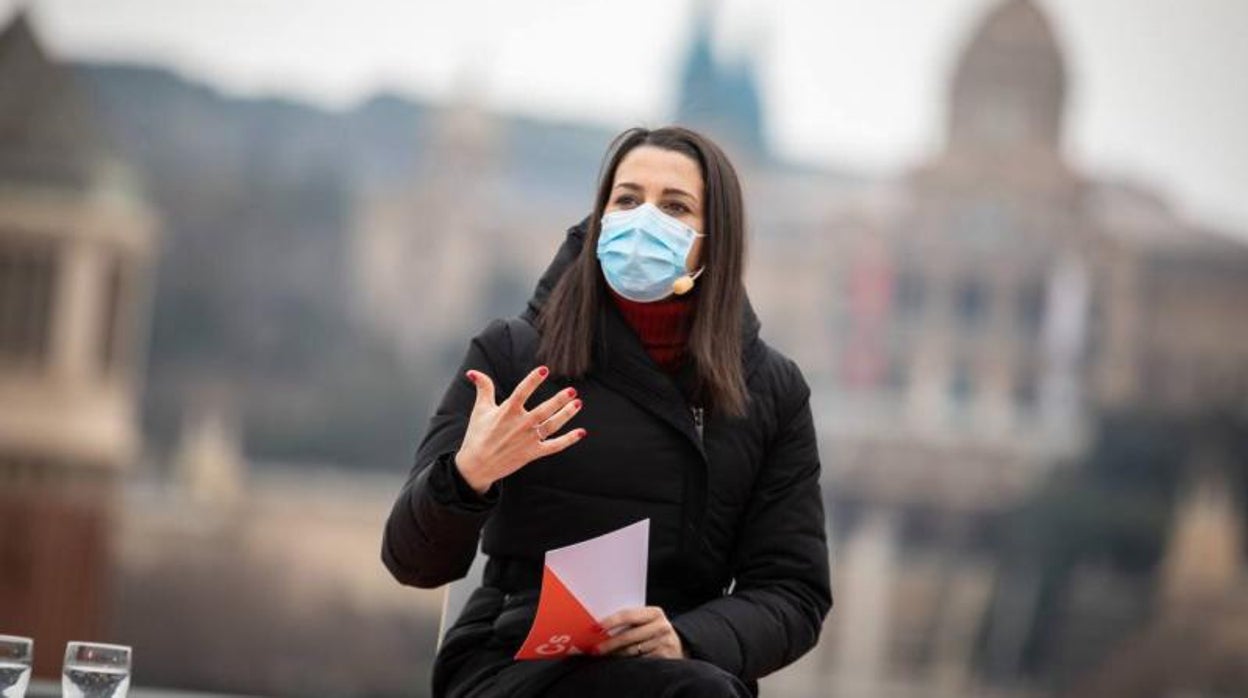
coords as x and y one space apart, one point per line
1112 511
251 287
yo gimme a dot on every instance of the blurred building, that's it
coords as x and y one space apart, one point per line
985 308
961 327
459 239
1195 642
721 98
463 235
76 247
264 580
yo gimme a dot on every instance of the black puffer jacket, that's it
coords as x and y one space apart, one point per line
738 554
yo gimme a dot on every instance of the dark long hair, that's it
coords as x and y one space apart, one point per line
567 319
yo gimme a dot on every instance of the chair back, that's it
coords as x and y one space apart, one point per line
457 592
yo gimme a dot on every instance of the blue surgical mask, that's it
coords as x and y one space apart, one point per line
643 251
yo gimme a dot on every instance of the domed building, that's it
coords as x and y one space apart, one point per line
985 308
1009 89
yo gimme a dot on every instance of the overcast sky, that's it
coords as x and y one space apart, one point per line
1159 91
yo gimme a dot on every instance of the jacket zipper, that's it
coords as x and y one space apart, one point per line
697 422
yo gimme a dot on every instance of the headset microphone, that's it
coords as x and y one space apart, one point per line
684 284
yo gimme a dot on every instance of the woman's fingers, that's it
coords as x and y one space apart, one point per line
656 627
485 388
628 638
526 387
552 446
555 422
631 616
551 406
502 438
665 645
642 631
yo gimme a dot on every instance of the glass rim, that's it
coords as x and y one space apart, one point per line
101 645
97 655
16 648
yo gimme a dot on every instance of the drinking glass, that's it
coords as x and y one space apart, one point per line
94 670
16 656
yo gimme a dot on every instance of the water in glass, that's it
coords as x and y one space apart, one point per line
16 654
95 671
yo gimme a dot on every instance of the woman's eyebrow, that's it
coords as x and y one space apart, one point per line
667 190
681 192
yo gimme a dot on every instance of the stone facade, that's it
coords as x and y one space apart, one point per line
75 254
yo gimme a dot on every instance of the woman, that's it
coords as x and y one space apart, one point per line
634 386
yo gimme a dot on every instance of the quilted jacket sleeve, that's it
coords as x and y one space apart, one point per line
431 535
782 590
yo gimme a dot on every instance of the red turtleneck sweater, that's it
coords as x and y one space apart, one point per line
663 327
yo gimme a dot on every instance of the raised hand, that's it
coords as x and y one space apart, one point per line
503 438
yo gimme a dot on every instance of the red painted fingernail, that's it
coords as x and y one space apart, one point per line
571 392
471 376
543 371
576 404
584 433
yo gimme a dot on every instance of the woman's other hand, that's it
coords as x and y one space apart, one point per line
642 632
503 438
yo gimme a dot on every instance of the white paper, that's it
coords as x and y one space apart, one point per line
607 573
